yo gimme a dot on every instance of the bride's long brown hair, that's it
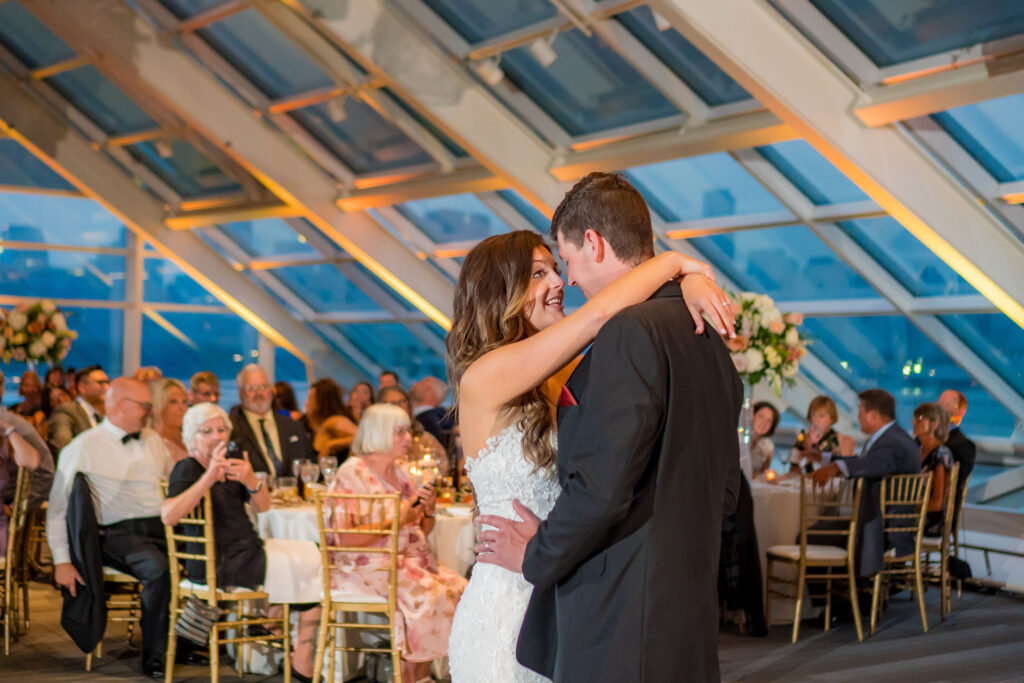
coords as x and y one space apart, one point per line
490 298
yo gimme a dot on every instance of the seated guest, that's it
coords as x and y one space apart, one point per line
20 446
85 412
428 592
30 388
821 436
170 401
123 463
388 378
962 448
359 399
289 569
423 442
762 450
273 441
931 427
53 396
285 402
204 387
426 397
889 450
329 420
148 373
55 378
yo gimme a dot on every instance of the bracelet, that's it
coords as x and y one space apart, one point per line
253 492
430 516
10 430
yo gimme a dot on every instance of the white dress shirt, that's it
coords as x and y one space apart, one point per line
94 417
125 480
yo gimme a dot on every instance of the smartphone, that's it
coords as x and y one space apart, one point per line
234 450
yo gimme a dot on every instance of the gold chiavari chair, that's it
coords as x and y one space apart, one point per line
197 530
338 515
904 503
825 511
958 524
11 576
124 604
941 544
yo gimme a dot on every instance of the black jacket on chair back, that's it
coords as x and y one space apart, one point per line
84 616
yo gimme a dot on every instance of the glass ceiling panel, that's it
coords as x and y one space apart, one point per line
182 344
186 8
811 173
102 101
61 275
784 263
479 20
268 237
588 88
325 288
539 221
18 166
165 282
889 352
29 39
58 220
364 140
455 218
394 347
265 55
448 143
997 339
991 132
702 187
907 258
188 171
712 84
288 368
895 31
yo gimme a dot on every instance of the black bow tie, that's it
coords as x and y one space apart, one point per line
128 437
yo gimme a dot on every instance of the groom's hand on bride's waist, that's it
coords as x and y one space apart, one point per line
505 545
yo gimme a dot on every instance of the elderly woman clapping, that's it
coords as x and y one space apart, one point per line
289 570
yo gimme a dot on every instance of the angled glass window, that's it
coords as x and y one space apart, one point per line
362 138
448 143
480 20
187 170
182 344
102 101
29 39
702 187
391 294
811 173
288 368
268 237
215 245
186 8
325 288
18 166
997 339
58 220
589 87
910 261
784 263
890 353
712 84
455 218
264 55
165 282
62 274
991 133
393 346
894 31
537 220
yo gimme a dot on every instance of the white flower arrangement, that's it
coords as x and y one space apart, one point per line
768 345
37 333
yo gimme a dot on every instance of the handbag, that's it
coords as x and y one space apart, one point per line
196 620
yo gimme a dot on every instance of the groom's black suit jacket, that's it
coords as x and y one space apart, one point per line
625 567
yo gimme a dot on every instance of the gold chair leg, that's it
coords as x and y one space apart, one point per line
215 654
944 586
874 601
286 632
334 647
172 645
321 644
920 592
240 651
396 656
799 602
828 598
855 602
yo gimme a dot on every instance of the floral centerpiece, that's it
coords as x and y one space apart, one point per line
35 333
767 346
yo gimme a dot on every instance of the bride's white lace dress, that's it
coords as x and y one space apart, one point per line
482 645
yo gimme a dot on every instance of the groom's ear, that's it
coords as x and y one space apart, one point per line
595 245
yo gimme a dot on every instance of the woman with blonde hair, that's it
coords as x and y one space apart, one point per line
820 436
170 401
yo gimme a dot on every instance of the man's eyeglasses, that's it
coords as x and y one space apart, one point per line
145 405
256 387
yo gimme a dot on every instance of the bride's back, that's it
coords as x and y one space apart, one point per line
500 473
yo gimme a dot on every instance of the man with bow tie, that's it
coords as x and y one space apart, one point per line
123 463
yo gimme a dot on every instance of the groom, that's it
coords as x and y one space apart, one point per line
625 567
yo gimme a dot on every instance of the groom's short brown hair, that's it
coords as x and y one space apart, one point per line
609 205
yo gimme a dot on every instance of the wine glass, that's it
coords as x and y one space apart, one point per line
310 472
328 465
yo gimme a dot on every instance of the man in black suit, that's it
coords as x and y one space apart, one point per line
889 450
426 397
625 567
274 442
963 449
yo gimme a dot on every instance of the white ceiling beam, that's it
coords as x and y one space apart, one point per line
130 45
65 151
768 56
423 187
366 317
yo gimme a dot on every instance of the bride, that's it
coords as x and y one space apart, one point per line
510 350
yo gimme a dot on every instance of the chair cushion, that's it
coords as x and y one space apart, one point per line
370 598
814 552
931 543
111 574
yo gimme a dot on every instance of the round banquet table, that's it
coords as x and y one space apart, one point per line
452 536
777 522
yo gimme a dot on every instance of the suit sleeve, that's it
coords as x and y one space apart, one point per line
620 421
885 458
59 430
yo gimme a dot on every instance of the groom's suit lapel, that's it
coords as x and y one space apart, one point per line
569 415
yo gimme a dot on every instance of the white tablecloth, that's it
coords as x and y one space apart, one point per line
777 521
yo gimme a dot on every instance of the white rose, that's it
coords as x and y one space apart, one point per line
59 323
17 320
48 339
792 337
740 361
36 349
48 306
755 360
789 370
772 357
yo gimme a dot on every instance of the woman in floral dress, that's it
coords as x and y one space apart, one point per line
428 592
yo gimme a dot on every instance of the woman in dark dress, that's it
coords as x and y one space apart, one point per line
289 570
931 427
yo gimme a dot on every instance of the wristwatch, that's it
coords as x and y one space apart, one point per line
10 430
259 487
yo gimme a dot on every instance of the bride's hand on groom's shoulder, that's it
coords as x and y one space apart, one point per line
704 298
505 545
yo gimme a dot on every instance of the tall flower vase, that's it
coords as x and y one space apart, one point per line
745 430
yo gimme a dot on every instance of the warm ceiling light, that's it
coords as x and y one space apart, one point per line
490 71
336 110
543 52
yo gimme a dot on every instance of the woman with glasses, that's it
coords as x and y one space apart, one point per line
428 592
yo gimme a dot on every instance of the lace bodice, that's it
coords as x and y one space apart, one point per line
501 473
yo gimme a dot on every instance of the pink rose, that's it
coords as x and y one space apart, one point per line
362 560
740 361
776 327
738 343
794 318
